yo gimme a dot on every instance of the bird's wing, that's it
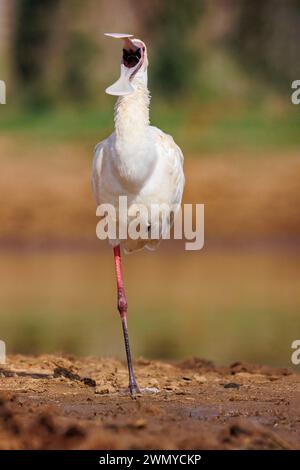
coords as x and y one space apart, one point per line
96 168
176 160
172 154
171 160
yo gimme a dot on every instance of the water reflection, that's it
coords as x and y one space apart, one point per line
222 306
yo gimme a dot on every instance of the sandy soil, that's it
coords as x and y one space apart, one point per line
51 402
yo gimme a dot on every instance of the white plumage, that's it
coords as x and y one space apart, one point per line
137 160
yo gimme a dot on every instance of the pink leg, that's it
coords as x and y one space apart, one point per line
122 307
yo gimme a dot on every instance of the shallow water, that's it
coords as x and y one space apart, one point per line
224 306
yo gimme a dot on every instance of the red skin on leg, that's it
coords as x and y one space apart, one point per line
122 307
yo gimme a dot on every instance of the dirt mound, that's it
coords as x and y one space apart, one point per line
238 367
60 402
244 434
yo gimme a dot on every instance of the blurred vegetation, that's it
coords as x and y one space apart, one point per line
220 72
31 41
78 78
170 25
248 129
266 39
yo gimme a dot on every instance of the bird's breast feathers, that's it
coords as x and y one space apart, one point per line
155 176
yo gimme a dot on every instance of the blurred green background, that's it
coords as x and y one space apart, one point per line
220 75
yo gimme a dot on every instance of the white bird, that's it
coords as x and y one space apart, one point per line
137 160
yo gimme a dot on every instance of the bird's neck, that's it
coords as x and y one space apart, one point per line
134 158
132 113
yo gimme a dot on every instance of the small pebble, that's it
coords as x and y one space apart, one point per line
140 423
200 378
88 381
232 385
104 390
150 390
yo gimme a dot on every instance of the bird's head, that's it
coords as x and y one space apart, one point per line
134 63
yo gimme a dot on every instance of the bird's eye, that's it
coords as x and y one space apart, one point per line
143 49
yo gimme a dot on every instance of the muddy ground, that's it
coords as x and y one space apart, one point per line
61 402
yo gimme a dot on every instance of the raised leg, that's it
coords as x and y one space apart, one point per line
122 307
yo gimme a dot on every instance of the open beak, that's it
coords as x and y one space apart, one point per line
131 62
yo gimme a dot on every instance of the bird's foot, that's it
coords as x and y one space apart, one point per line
142 391
134 390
